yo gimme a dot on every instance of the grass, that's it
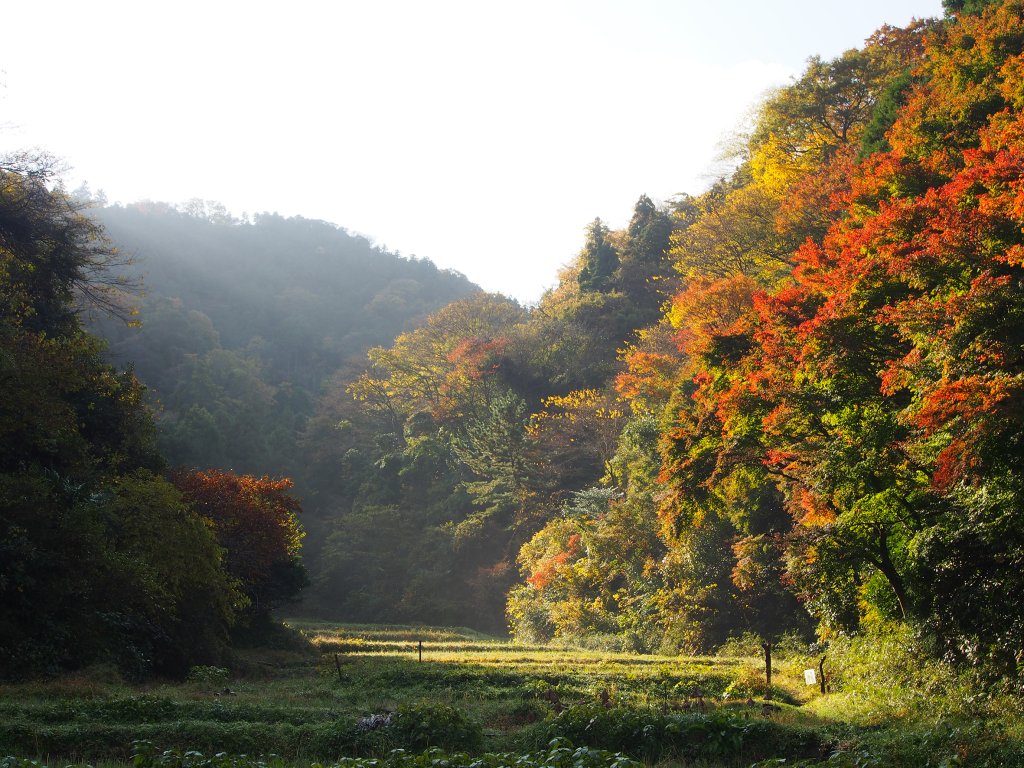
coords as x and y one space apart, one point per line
361 691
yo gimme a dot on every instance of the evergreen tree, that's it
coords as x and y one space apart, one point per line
599 259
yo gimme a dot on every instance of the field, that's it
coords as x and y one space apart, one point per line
327 691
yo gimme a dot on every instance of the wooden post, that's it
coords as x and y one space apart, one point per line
767 646
821 674
421 650
337 666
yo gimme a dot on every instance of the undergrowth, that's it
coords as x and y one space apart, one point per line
474 700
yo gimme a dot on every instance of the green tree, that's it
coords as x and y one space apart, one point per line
98 558
645 271
164 593
496 450
599 259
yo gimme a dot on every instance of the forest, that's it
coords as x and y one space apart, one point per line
785 411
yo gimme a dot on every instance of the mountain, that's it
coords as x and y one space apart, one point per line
240 322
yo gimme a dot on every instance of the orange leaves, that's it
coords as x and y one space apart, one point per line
968 398
468 381
969 72
254 519
710 308
648 375
445 367
547 569
474 357
812 509
756 565
652 365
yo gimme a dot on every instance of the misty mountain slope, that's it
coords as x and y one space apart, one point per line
243 322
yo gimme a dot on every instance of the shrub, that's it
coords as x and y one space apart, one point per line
749 682
208 676
418 726
653 736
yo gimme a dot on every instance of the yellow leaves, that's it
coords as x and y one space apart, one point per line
572 405
776 164
709 309
443 366
736 235
585 414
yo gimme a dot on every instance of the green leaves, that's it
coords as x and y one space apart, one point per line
559 754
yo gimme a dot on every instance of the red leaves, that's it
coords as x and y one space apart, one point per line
474 357
911 300
470 376
254 519
546 570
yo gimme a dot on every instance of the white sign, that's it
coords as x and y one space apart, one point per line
810 677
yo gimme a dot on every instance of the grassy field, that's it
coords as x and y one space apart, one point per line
326 691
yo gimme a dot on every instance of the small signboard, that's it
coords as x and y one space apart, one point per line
810 677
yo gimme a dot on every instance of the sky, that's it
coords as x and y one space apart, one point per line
482 135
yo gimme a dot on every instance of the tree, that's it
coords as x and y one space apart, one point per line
496 450
577 434
447 364
99 560
255 521
53 258
599 259
735 235
161 581
767 606
808 123
645 272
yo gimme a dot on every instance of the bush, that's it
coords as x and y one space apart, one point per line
208 677
891 669
749 683
652 736
419 726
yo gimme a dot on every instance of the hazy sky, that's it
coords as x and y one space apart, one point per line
482 135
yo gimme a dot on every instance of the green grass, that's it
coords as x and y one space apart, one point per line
359 691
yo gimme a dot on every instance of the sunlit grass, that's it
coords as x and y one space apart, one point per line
302 700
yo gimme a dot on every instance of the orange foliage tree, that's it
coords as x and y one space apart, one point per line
255 521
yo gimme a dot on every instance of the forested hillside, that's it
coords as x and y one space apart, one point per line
466 435
792 403
241 322
105 557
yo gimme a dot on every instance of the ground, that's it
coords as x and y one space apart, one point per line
323 691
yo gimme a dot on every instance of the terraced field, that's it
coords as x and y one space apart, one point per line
355 694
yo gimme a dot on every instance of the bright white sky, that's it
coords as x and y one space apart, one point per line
482 135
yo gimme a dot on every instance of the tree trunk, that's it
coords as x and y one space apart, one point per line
767 646
888 569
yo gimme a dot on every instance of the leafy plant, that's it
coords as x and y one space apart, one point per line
208 676
419 726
